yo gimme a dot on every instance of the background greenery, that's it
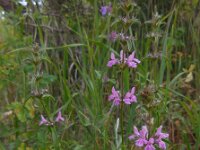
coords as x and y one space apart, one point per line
67 70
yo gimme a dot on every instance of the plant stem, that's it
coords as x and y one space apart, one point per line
121 107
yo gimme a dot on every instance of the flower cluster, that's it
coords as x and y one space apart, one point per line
128 98
44 121
142 140
131 61
106 10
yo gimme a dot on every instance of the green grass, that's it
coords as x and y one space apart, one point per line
71 65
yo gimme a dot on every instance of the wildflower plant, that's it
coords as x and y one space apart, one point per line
127 59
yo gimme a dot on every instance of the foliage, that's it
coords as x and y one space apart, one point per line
53 57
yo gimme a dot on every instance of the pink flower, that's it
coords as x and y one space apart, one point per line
159 135
130 97
141 138
132 61
59 117
115 97
112 61
43 121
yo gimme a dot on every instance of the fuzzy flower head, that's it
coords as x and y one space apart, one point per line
59 117
130 97
115 97
113 36
142 140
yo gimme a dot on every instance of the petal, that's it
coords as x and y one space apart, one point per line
134 99
127 101
111 97
149 147
110 63
133 90
164 135
113 89
136 132
112 56
128 95
140 142
131 137
162 145
159 131
136 60
116 102
161 135
131 64
144 132
62 119
151 140
131 57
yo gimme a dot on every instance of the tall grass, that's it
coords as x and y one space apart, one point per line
70 73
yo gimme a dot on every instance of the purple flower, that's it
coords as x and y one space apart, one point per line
159 135
43 121
106 10
113 36
115 97
141 138
112 61
149 144
59 117
130 97
103 10
132 61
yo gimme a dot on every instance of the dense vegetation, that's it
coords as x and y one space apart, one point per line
53 60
